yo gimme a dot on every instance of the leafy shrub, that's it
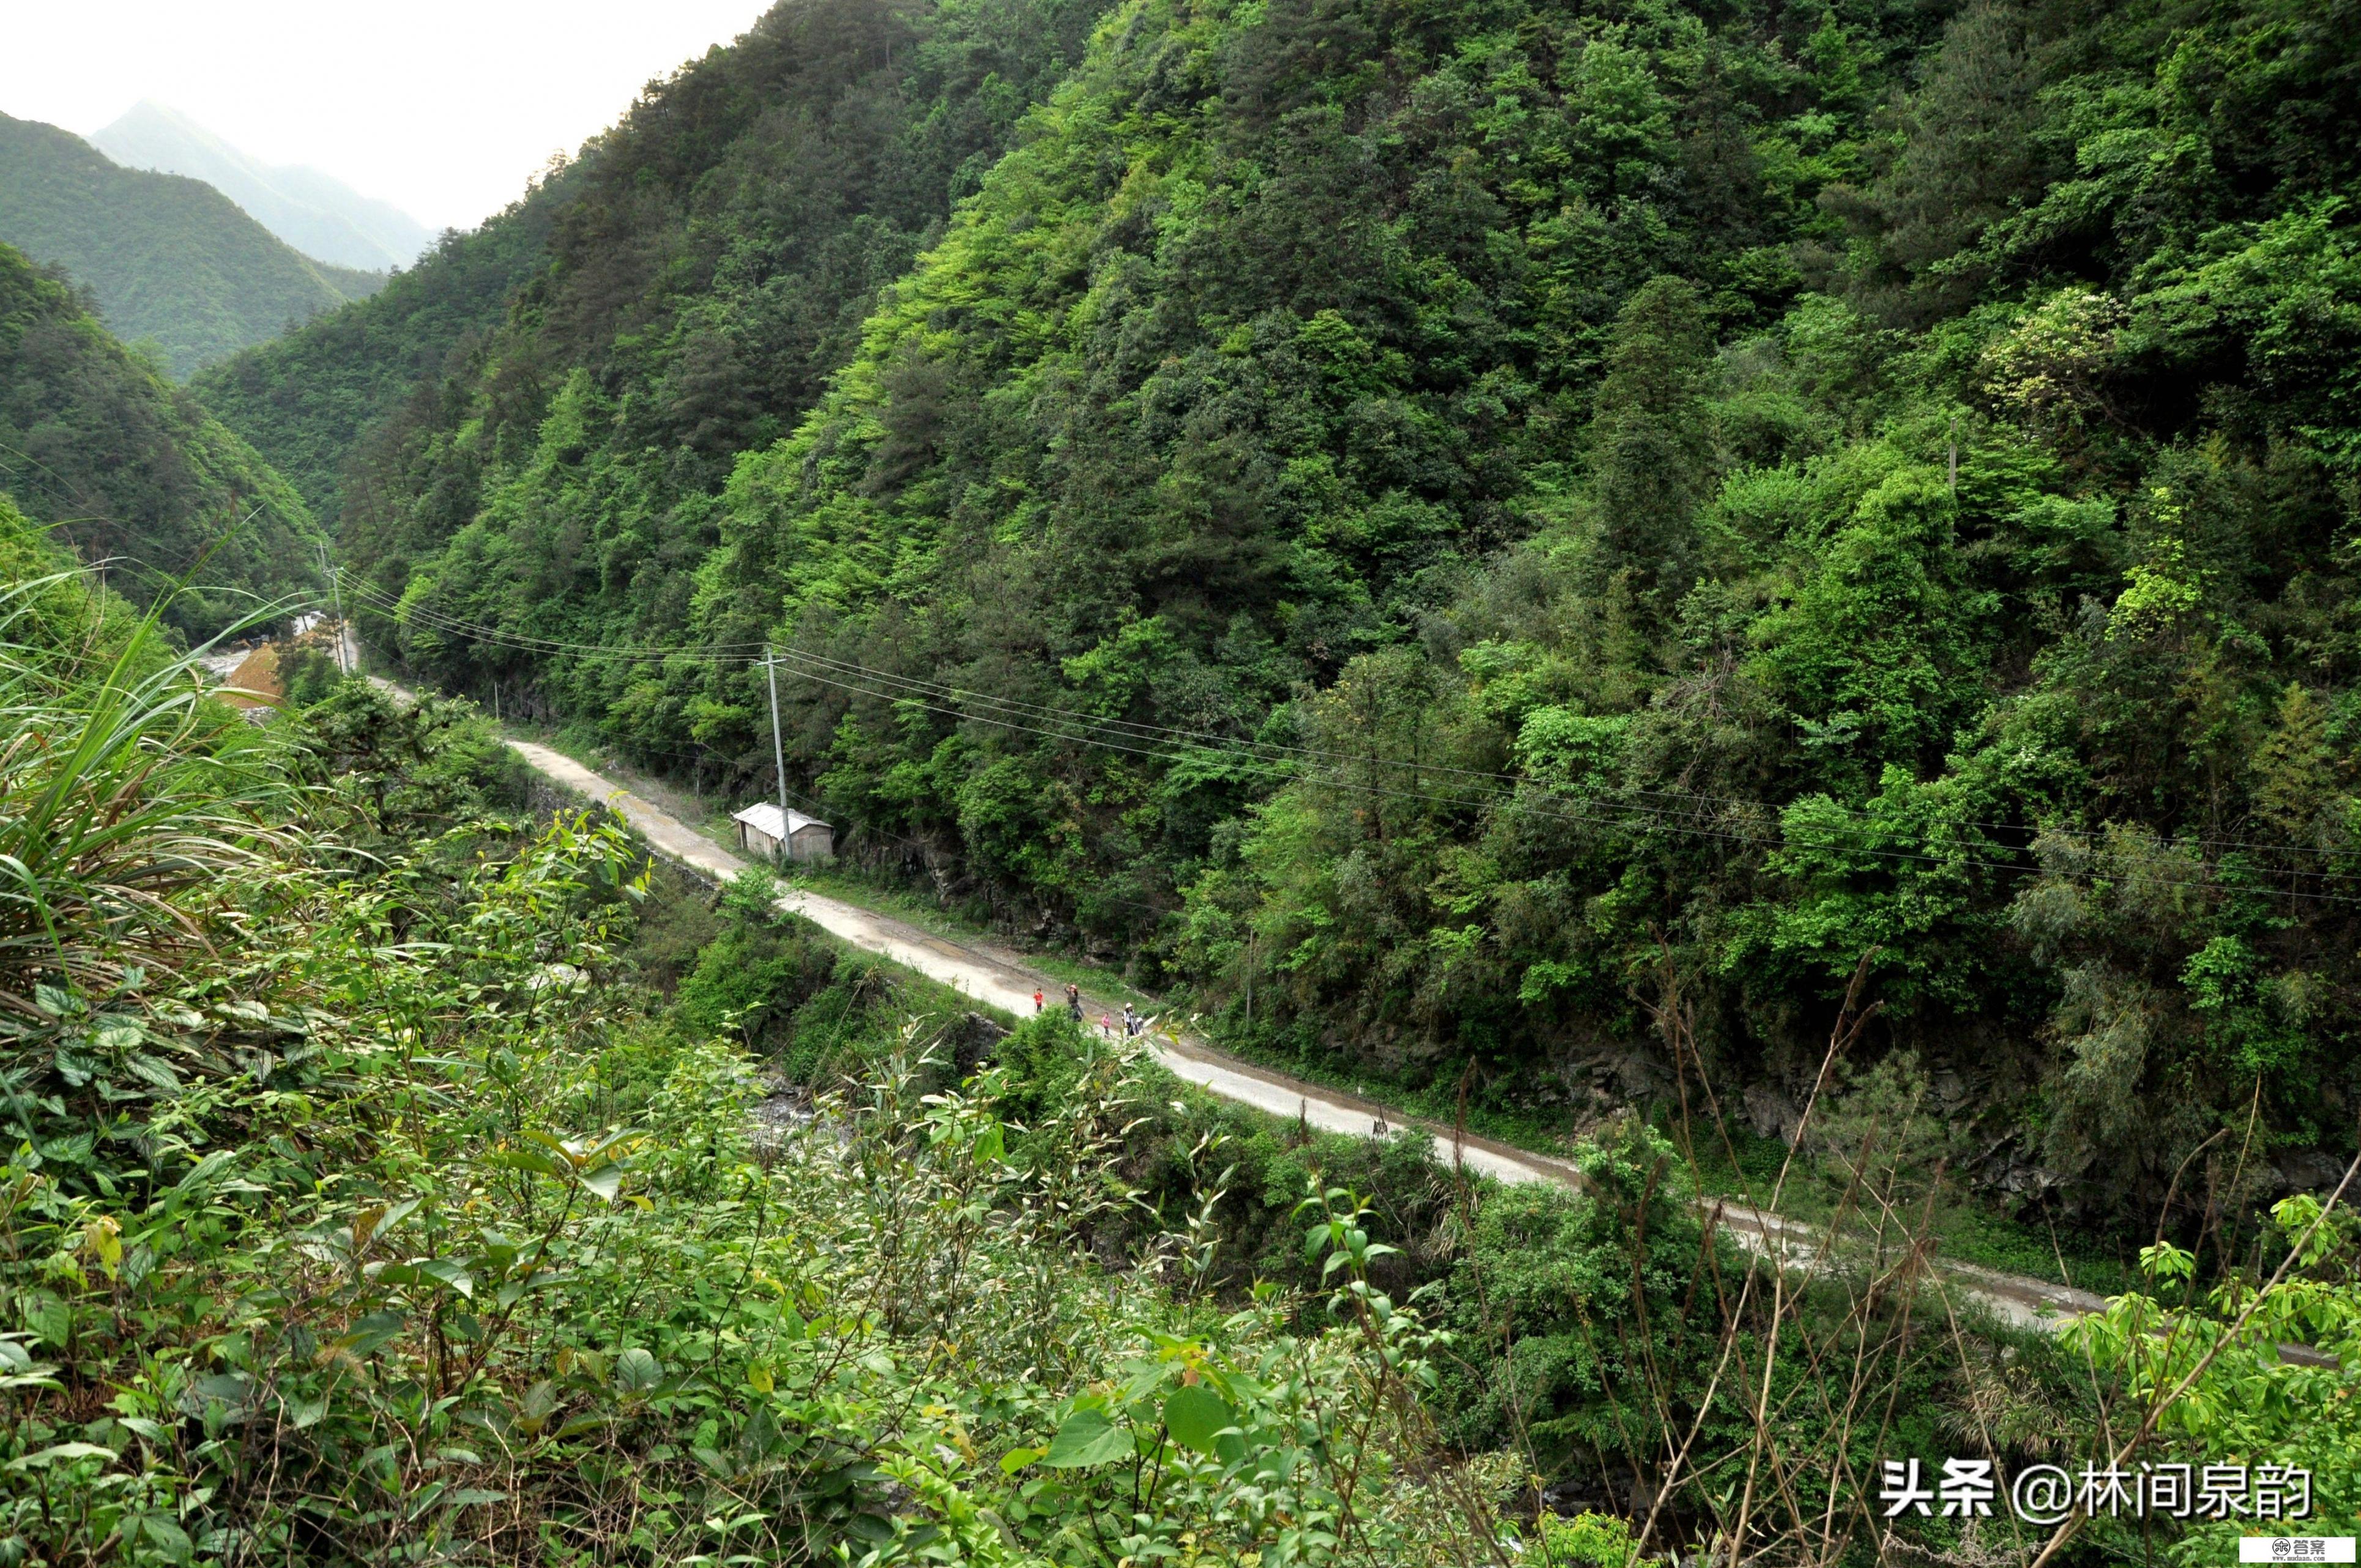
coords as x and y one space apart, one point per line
492 1272
1587 1540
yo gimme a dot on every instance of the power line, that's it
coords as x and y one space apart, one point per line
918 844
1624 815
935 698
530 642
1512 780
1283 769
1653 817
1163 734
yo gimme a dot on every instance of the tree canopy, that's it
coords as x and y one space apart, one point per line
1451 520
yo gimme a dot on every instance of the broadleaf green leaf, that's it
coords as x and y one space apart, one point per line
1087 1438
1195 1416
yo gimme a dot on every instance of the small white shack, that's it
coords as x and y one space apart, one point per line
764 831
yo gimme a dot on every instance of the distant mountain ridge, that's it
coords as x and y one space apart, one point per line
316 212
168 259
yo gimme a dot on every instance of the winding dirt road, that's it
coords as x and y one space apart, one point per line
1000 980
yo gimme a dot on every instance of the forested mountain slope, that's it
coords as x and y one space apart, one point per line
170 259
307 398
1530 541
695 275
398 1174
130 471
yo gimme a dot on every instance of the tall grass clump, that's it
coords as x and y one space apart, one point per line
124 794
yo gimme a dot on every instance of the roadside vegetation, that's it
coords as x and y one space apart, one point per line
1736 1161
1438 528
398 1175
1761 597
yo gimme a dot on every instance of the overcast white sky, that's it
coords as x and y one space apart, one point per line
444 107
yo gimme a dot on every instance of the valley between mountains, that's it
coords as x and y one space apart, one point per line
1741 619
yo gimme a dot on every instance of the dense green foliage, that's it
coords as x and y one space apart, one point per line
687 287
49 606
1775 690
525 1293
393 1229
395 1180
170 260
2219 1351
130 470
307 398
1554 552
1603 503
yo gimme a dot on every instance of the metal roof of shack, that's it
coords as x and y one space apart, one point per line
765 818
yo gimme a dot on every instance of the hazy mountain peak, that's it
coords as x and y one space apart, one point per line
314 212
169 258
